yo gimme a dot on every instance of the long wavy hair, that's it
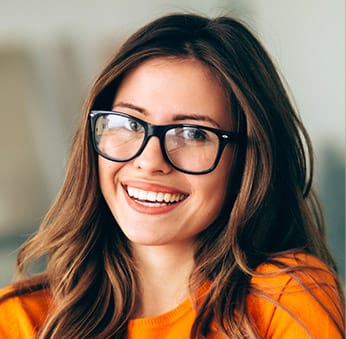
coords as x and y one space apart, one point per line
270 212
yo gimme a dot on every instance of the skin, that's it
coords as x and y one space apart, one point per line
164 91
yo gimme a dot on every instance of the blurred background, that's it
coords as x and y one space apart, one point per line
51 51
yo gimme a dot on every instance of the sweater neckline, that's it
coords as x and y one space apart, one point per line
172 315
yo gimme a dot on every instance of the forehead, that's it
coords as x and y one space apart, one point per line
164 86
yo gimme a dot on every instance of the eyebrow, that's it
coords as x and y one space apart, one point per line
196 117
177 117
131 106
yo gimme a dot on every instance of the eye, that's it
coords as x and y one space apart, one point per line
133 125
194 134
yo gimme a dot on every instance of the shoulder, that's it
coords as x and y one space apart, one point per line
294 269
22 312
295 296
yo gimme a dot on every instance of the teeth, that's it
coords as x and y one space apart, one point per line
160 197
151 196
154 197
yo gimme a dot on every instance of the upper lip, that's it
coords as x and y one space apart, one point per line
152 187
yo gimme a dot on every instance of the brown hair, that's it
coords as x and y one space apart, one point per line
268 215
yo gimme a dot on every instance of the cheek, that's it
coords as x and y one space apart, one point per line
107 171
213 187
223 176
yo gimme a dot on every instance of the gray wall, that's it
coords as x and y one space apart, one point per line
50 53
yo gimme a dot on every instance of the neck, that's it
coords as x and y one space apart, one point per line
164 272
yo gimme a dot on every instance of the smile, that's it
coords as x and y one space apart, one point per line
154 199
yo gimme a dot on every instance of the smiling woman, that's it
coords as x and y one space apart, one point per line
187 209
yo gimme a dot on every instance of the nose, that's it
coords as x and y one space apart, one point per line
151 159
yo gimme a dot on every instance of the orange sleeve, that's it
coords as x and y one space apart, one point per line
295 313
22 316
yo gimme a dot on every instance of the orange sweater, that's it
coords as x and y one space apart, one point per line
21 316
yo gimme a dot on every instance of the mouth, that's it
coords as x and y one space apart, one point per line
154 199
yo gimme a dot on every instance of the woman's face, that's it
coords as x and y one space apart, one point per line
165 91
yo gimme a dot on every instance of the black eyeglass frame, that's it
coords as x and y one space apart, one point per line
159 131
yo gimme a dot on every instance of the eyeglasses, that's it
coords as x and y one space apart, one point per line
189 148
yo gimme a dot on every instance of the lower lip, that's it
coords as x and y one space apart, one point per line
150 209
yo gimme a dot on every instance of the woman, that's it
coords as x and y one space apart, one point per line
187 208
